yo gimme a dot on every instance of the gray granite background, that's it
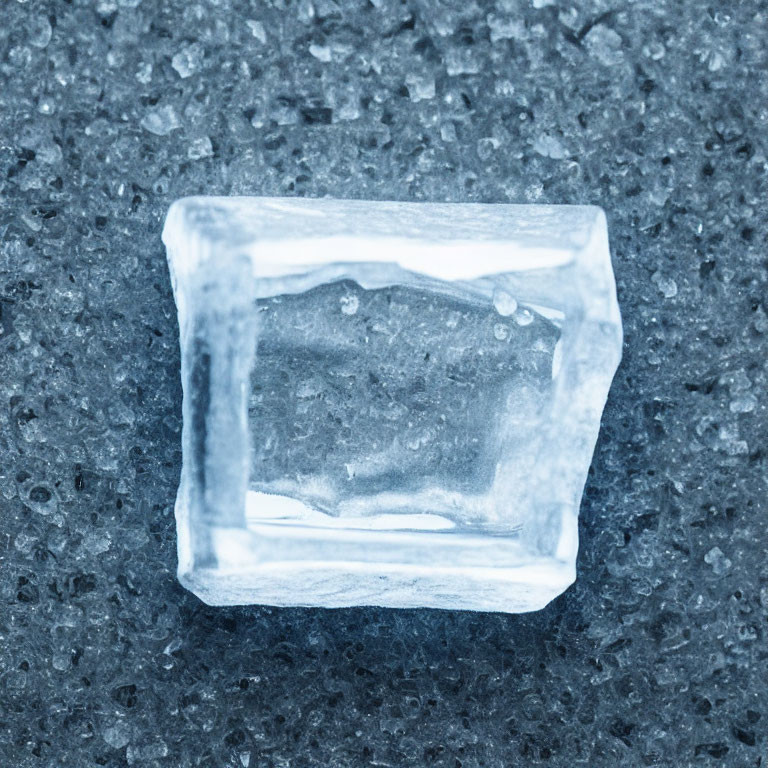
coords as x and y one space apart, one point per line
110 109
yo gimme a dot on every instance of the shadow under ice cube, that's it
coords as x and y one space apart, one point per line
387 403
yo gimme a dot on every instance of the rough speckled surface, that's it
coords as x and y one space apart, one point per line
109 110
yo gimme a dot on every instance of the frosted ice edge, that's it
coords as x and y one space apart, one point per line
214 249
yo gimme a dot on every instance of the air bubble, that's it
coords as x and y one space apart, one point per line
504 303
523 317
349 304
501 331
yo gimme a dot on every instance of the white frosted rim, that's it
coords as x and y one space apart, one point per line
453 260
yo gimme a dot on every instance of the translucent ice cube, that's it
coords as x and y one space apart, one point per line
387 403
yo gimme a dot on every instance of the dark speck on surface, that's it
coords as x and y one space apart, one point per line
109 111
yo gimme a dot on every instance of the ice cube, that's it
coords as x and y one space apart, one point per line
387 403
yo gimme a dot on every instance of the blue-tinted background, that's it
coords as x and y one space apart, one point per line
111 109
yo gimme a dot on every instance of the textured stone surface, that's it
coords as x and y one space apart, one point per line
109 110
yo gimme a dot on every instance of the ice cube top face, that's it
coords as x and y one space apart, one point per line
387 403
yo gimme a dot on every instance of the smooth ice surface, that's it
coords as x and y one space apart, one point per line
387 403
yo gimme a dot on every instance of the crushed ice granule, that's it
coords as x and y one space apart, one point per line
187 61
320 52
161 121
666 285
257 30
420 87
549 146
719 562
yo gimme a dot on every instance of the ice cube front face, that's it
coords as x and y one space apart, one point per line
387 403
